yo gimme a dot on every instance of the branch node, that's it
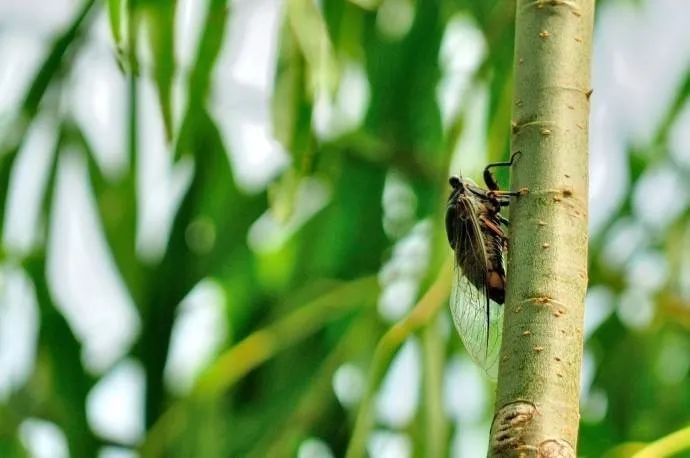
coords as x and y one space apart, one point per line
540 4
560 308
543 300
509 424
556 448
543 125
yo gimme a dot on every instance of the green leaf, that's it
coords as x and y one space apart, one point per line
115 10
160 25
11 447
346 239
208 233
59 57
312 37
670 445
200 79
292 104
292 111
60 351
367 4
625 450
403 111
117 205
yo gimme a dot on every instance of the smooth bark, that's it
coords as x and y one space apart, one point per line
537 405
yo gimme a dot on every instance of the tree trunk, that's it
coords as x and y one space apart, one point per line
537 404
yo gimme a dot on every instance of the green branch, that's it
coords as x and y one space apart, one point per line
537 404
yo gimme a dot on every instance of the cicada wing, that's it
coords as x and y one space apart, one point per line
478 320
469 306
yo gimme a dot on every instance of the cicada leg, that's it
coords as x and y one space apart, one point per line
491 226
489 178
497 195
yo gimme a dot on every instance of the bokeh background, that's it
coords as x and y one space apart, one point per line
213 210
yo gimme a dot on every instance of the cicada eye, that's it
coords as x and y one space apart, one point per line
455 182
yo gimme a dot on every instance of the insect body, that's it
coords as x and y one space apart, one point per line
474 230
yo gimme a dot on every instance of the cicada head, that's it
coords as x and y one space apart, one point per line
456 183
459 210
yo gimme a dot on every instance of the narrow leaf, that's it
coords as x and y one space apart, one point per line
115 16
312 36
160 25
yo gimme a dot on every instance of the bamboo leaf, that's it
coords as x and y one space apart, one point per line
312 37
625 450
116 204
419 316
260 346
200 79
59 57
115 10
209 229
671 445
160 25
62 353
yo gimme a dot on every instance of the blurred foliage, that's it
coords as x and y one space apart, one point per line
297 312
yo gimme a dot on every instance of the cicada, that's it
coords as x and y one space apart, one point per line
474 226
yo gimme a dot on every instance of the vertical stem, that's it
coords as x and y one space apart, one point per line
537 405
435 422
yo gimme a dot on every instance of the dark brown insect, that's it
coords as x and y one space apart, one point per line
474 229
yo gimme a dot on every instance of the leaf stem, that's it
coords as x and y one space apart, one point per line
667 446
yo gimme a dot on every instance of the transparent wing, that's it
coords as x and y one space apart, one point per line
478 320
468 306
